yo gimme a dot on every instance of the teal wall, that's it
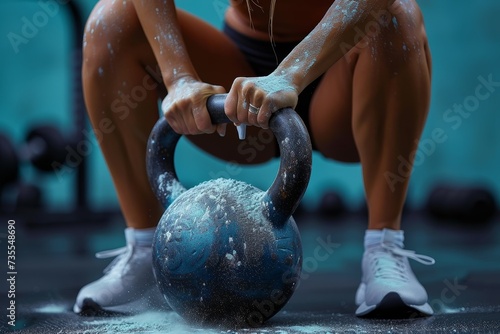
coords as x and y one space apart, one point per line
35 85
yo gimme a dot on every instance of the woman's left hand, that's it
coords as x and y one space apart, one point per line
252 101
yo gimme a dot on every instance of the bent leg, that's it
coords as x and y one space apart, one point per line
121 99
371 106
389 101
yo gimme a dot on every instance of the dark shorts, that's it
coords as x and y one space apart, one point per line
262 59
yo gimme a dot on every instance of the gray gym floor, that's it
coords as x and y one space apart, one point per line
53 262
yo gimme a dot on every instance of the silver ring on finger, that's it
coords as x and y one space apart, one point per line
253 109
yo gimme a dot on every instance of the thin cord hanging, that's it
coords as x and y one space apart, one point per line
270 25
270 28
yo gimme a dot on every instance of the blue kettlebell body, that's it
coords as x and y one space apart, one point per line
217 257
225 252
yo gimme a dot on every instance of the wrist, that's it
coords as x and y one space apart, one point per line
179 79
290 75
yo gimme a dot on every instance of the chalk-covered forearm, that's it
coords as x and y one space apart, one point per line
159 21
329 41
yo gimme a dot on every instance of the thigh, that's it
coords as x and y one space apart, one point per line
386 74
219 61
330 112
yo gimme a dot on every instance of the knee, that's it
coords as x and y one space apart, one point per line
107 31
403 40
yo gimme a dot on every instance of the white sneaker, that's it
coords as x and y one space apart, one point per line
388 282
128 278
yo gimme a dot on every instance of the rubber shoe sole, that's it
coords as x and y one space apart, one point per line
152 299
393 307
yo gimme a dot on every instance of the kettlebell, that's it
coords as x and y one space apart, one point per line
225 252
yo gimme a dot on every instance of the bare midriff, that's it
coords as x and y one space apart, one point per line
292 19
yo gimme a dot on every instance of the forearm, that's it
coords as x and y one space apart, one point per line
329 41
159 22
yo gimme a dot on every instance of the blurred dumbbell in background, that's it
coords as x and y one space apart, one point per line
467 204
43 148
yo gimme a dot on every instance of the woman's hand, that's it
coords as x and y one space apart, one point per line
253 100
185 107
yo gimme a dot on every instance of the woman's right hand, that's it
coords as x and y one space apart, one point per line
185 107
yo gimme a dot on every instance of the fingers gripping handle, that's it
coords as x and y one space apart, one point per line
284 195
215 107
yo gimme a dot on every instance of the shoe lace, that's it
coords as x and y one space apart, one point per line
118 252
389 262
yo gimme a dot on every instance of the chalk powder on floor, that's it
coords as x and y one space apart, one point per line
168 322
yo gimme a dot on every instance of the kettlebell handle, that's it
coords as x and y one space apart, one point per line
290 184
